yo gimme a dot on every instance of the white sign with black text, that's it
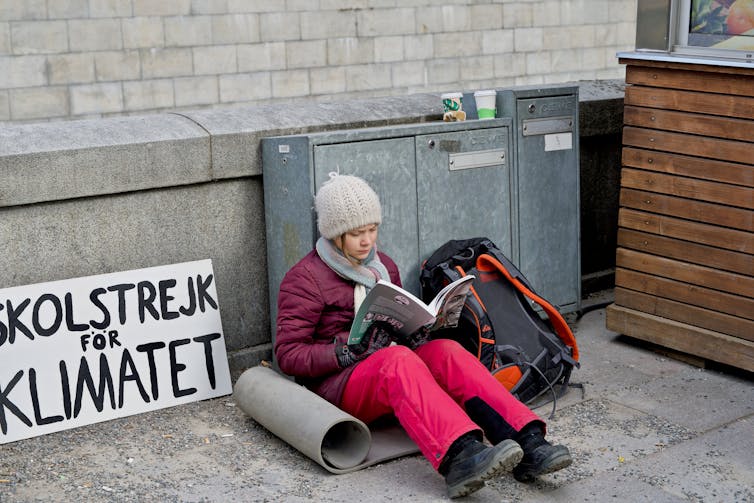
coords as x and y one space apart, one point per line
90 349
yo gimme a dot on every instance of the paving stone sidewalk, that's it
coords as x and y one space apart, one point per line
646 428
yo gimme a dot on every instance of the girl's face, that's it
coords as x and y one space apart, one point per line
357 243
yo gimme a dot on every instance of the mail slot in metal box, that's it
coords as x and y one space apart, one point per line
547 126
481 159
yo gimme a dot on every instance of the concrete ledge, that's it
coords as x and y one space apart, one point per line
600 132
236 132
66 160
601 107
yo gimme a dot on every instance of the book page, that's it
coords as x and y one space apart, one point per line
449 302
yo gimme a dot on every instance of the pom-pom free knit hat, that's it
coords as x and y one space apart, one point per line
345 202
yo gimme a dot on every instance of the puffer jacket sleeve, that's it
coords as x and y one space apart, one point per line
300 304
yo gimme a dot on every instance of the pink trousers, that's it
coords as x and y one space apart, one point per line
425 390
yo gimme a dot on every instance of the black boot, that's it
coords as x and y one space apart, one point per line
469 462
540 456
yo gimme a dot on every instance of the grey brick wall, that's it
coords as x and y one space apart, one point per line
90 58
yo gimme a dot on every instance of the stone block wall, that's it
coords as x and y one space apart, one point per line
94 58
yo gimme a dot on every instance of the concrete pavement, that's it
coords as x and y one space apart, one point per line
646 428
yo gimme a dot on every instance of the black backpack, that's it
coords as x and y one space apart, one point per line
529 355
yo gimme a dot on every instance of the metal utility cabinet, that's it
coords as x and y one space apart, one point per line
513 179
546 237
436 181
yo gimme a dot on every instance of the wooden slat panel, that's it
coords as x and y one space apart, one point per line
724 150
686 243
681 336
690 101
740 85
695 316
729 239
714 300
685 122
707 277
694 167
690 188
699 211
695 253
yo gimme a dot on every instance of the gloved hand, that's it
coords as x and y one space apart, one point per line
416 339
378 336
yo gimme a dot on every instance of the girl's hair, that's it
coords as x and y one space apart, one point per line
339 245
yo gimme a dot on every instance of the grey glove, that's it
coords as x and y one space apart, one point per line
415 340
378 336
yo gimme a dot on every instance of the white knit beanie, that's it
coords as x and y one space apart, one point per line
345 202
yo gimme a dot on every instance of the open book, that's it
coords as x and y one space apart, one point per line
405 312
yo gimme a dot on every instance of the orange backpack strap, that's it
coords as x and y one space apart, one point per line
486 262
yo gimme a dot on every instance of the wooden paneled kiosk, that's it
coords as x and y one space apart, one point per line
685 257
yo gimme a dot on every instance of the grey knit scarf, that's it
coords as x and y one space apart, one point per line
365 274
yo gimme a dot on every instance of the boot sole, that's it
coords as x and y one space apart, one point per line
557 462
505 459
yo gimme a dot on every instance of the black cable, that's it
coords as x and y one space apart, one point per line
549 386
581 312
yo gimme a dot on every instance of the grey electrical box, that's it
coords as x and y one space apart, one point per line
436 181
546 234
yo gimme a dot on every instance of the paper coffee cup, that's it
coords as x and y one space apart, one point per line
452 102
485 103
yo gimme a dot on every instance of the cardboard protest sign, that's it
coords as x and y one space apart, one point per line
90 349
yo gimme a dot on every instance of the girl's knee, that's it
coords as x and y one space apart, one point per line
399 362
446 352
444 347
398 356
447 345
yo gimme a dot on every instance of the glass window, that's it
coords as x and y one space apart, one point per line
724 28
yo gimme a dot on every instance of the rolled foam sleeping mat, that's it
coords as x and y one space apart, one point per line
337 441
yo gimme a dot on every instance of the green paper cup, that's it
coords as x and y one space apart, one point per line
485 103
452 102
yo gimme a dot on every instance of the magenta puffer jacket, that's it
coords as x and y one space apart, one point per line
315 306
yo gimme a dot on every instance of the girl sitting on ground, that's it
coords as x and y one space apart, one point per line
440 393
